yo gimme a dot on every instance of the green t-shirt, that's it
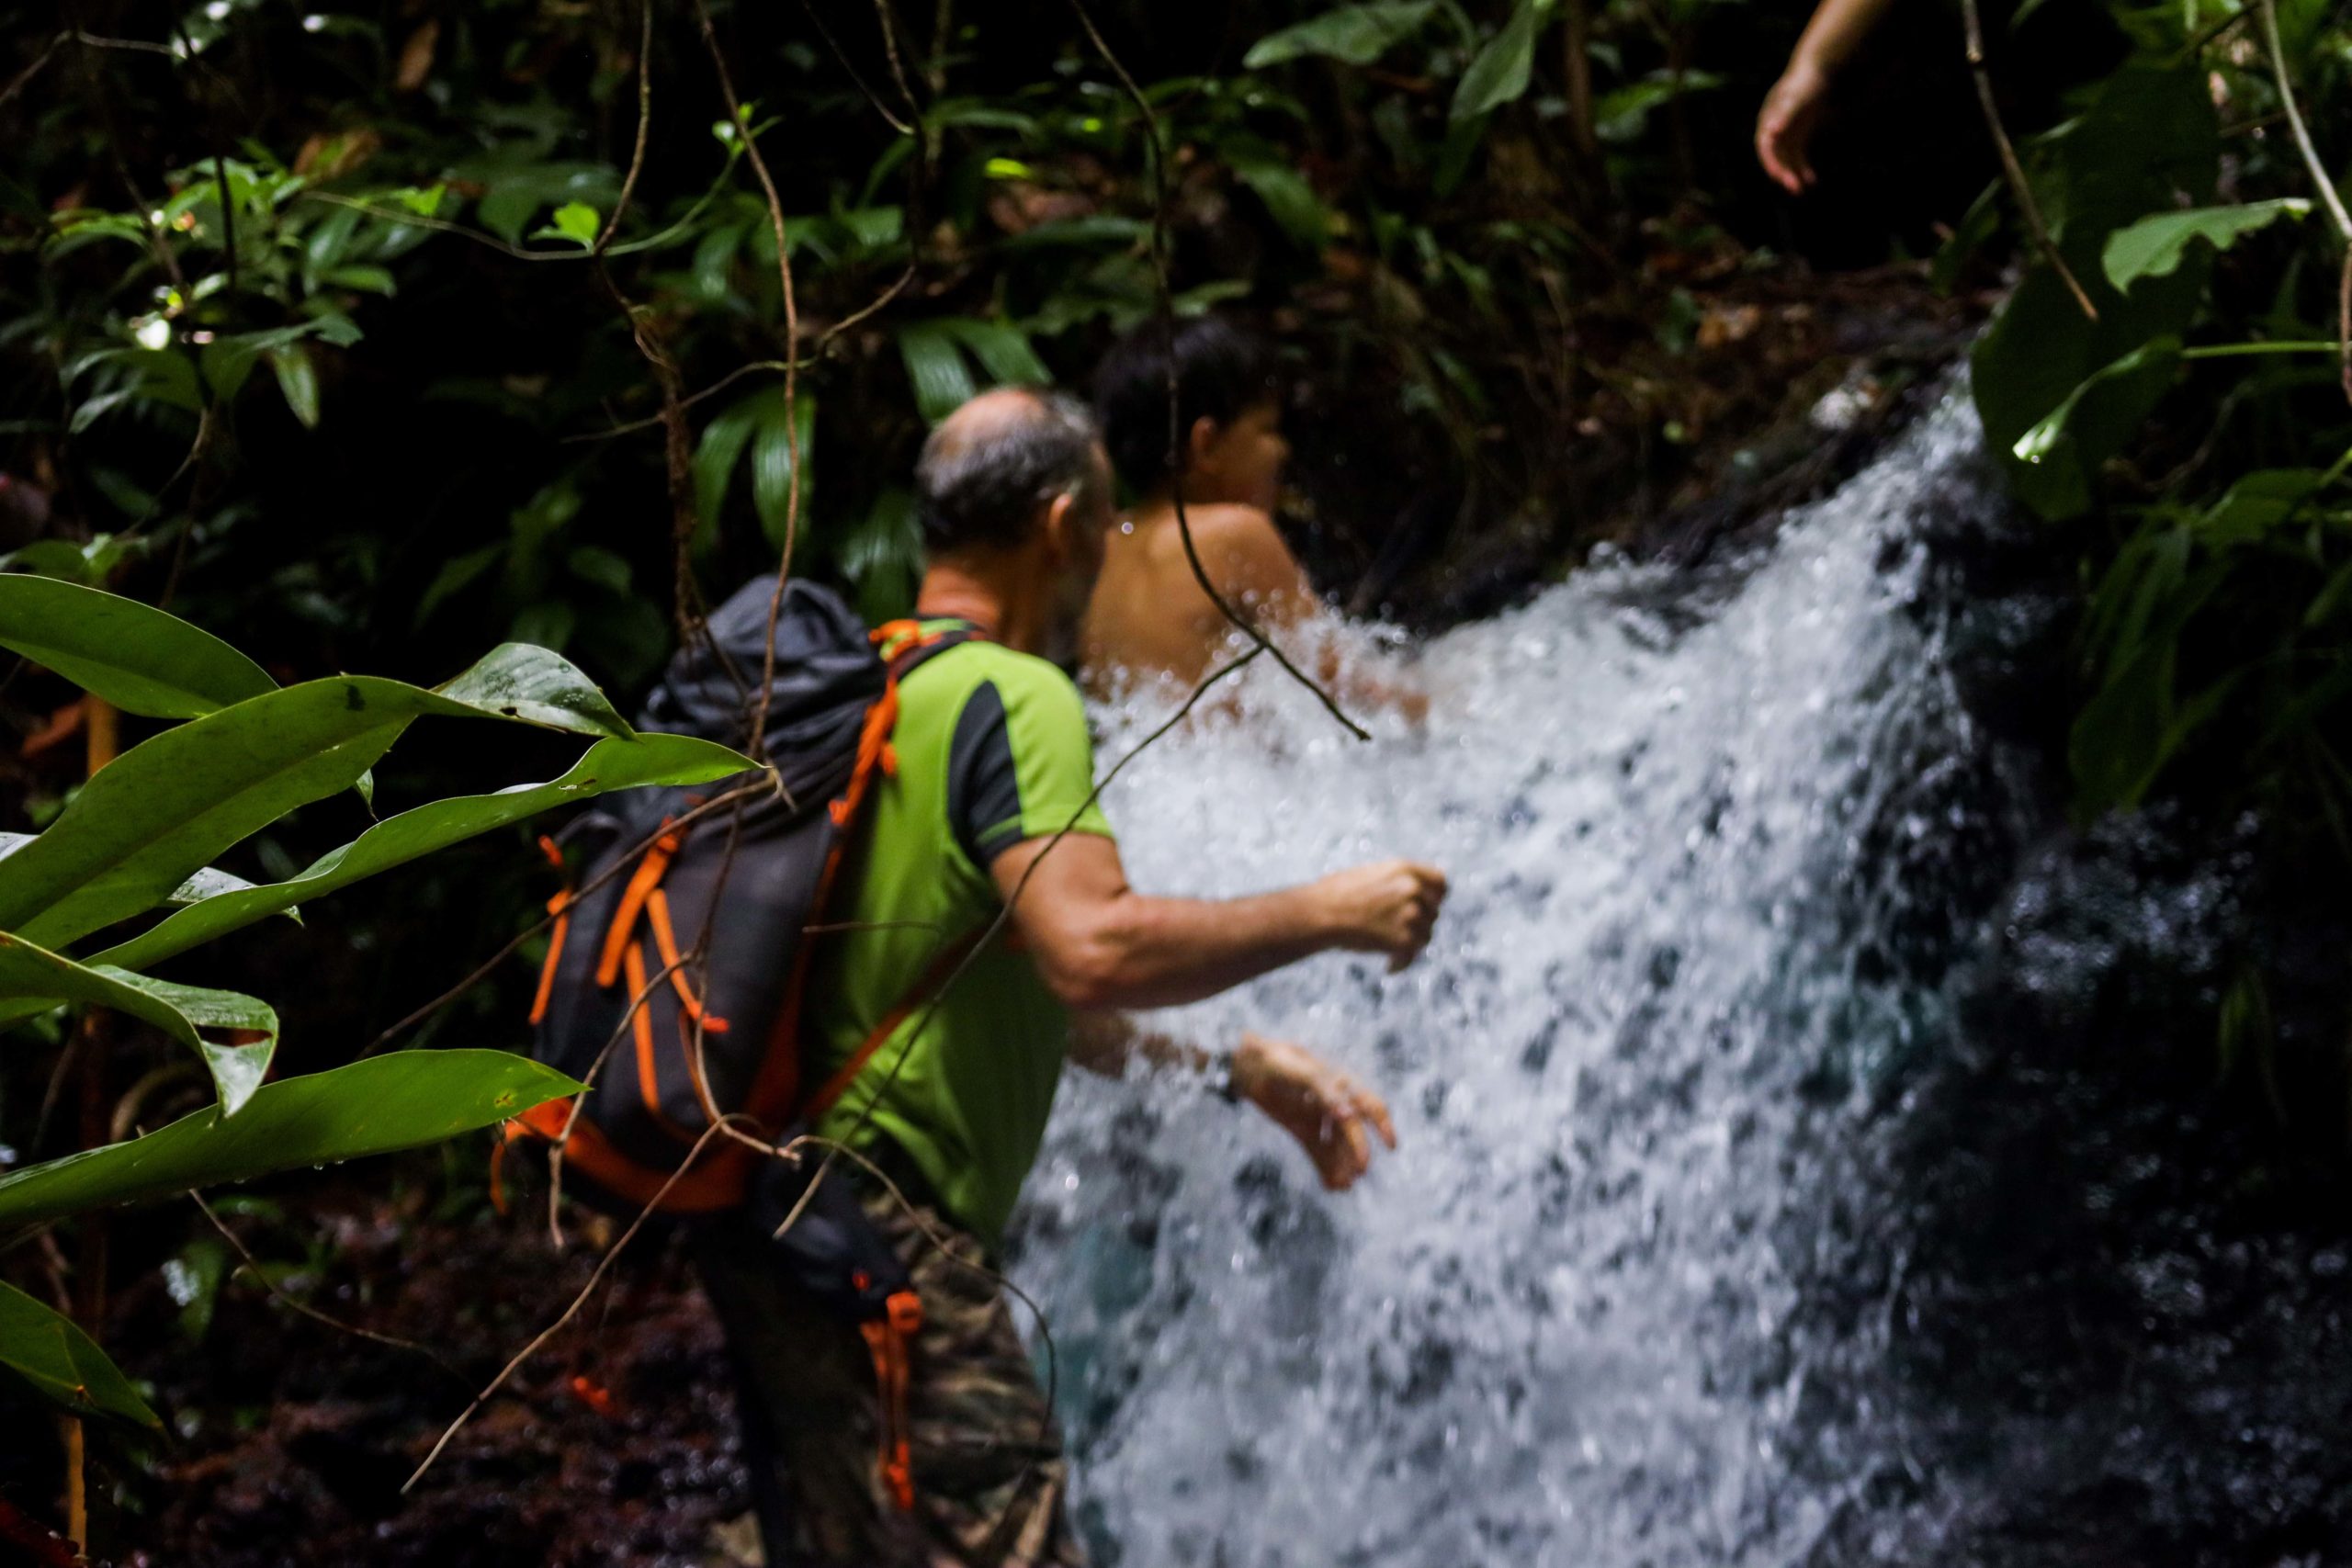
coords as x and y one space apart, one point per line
992 749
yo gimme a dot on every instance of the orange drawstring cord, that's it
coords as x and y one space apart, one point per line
891 1341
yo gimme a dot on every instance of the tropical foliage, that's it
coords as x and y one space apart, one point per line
120 882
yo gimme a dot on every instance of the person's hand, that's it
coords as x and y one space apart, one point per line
1325 1109
1785 125
1388 907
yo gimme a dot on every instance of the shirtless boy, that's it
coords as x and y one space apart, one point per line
1149 616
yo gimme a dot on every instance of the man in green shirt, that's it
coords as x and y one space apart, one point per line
989 804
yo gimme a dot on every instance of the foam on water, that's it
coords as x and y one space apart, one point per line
1554 1327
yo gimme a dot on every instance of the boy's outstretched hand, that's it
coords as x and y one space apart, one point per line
1325 1109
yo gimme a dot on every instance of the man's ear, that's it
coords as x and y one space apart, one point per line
1061 517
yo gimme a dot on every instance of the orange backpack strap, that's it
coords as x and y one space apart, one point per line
924 990
649 872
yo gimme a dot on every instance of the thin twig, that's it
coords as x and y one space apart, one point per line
817 19
791 367
2010 167
2333 198
17 82
1167 310
307 1309
644 122
687 402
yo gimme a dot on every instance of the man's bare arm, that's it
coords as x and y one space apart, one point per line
1333 1115
1098 943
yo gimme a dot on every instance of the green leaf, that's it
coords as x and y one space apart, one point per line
1623 115
1289 199
31 973
299 379
142 660
772 444
1355 34
1498 74
575 220
62 1364
2095 420
2154 246
594 564
172 804
208 883
943 382
882 555
1976 227
1003 350
649 758
228 359
395 1102
716 454
515 680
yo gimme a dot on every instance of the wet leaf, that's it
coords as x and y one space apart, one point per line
650 759
384 1103
62 1364
30 973
171 805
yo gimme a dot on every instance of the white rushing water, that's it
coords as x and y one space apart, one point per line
1559 1324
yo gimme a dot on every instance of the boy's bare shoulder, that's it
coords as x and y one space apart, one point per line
1234 533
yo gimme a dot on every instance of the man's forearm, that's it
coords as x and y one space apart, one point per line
1143 951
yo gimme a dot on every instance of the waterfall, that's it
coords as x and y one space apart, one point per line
1696 824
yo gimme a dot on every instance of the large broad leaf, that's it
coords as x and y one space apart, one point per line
1498 74
782 458
650 759
171 805
141 659
1356 34
2154 246
1002 349
61 1364
369 1108
943 382
184 1012
515 680
208 883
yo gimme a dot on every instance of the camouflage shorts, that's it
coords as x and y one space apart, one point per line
989 1478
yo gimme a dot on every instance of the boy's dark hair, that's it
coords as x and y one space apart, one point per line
982 484
1223 370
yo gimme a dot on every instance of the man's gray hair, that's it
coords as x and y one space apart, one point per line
993 463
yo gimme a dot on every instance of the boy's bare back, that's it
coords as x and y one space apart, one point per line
1149 617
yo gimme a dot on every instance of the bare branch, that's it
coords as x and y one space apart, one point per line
2010 167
